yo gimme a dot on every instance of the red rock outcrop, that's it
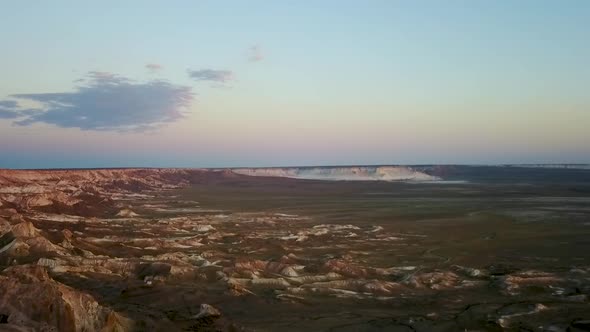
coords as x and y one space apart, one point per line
32 299
25 229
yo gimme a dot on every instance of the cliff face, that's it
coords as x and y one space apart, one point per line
353 173
31 298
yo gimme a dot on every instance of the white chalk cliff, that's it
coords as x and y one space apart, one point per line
350 173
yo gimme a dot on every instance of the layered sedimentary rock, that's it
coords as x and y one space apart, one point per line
51 228
345 173
88 192
31 298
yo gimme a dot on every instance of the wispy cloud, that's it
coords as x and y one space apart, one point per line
10 109
105 101
8 104
154 67
255 53
219 76
8 114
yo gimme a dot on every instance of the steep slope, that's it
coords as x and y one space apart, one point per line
352 173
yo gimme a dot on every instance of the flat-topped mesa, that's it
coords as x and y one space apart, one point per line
342 173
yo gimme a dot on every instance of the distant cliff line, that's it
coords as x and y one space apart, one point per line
341 173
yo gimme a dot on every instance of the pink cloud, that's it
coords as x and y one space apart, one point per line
153 67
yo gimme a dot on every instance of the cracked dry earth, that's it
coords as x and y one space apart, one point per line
195 250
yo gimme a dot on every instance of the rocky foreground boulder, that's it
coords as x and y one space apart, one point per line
32 300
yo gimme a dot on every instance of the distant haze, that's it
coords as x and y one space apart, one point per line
277 83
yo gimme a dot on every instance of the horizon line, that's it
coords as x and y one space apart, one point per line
304 166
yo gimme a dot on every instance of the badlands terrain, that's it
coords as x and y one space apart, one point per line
388 248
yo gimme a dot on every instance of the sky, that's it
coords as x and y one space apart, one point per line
280 83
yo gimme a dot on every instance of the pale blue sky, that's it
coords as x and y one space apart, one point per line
293 82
